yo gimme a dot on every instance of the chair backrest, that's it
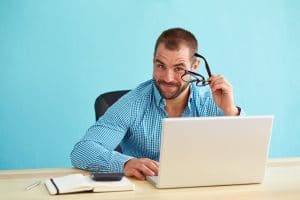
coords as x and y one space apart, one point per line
104 101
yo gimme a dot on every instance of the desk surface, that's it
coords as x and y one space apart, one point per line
282 181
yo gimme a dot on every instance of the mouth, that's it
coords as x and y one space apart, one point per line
168 90
168 86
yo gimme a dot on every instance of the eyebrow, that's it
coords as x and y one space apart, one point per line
179 64
176 65
157 60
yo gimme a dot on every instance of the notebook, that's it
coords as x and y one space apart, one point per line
81 183
207 151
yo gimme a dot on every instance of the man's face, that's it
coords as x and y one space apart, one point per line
169 66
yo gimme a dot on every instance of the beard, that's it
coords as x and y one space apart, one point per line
171 94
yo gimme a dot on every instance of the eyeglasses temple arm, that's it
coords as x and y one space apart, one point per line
206 64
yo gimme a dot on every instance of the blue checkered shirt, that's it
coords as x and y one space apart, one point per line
134 122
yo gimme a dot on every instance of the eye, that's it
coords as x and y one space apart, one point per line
160 66
179 69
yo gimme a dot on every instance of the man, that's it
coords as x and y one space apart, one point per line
134 121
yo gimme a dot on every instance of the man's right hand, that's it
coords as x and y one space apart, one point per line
140 168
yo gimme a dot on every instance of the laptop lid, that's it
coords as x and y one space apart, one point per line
205 151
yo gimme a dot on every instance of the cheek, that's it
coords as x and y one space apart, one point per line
156 74
178 79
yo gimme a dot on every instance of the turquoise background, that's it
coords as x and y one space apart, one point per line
56 57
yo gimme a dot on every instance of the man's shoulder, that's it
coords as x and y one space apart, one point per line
142 92
136 99
144 88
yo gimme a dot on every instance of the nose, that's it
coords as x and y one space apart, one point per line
169 75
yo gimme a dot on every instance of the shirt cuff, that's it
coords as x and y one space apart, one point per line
117 164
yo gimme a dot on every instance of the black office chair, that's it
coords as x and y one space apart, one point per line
104 101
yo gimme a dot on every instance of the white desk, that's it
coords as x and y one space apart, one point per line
282 181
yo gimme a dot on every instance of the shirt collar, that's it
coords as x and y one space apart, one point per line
192 94
159 100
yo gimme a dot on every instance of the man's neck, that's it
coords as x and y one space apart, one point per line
175 107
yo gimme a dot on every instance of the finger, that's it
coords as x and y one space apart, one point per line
221 86
217 79
137 174
151 164
156 163
220 81
154 167
146 170
214 77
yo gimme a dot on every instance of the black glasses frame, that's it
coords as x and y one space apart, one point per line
198 78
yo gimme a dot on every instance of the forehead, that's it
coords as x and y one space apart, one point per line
183 53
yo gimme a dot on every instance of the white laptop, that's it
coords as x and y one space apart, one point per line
208 151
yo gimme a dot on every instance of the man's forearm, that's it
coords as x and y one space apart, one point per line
91 156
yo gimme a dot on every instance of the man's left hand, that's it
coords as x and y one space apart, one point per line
223 94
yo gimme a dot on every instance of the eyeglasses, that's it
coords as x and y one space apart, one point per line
193 77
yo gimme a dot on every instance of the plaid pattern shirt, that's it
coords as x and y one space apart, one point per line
134 122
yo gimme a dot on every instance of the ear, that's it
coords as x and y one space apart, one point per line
196 65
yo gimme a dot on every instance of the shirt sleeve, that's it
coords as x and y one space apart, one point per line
95 151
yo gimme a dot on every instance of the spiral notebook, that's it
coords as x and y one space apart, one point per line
83 183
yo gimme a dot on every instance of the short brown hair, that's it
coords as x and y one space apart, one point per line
174 37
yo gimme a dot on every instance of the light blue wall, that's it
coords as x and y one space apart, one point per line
57 56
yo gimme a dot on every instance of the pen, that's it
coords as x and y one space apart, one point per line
33 185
